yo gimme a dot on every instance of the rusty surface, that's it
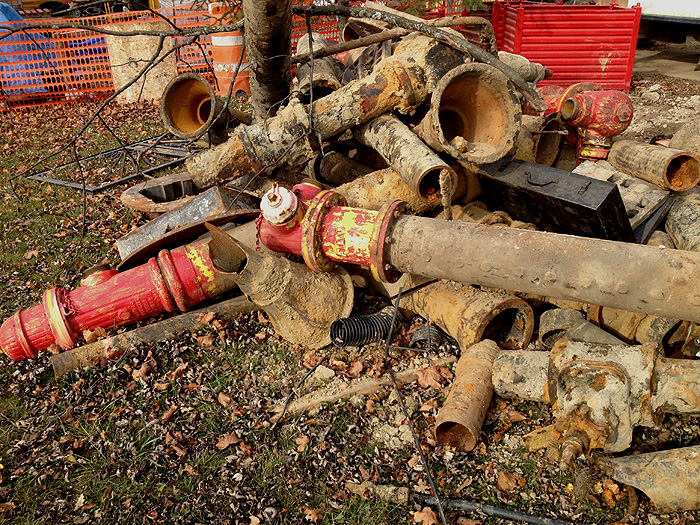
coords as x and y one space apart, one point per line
540 139
667 168
407 154
687 138
302 304
683 221
337 169
470 315
622 323
459 421
474 115
677 386
371 191
326 71
521 374
671 478
113 347
564 323
161 195
575 268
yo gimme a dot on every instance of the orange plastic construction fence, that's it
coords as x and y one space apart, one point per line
54 66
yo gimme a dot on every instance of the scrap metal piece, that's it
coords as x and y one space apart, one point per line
459 421
157 196
671 478
641 199
326 71
302 304
416 163
540 139
599 392
669 169
556 200
212 203
683 220
113 347
565 323
474 115
335 169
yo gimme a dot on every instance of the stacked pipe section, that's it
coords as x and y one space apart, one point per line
176 280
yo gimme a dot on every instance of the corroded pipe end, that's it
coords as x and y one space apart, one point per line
474 115
188 105
682 171
459 421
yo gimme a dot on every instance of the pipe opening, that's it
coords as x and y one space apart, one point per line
682 172
225 253
506 329
473 112
319 92
455 435
170 191
549 144
187 104
569 109
429 185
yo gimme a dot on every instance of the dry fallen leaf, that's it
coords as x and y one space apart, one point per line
91 336
254 520
7 507
426 516
227 439
206 318
31 253
205 341
429 376
467 521
505 481
191 470
355 369
224 400
168 414
313 515
516 416
302 441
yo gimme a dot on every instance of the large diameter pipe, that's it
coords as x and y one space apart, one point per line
669 169
399 83
459 421
622 275
410 157
326 71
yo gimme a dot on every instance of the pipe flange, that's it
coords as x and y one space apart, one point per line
53 306
311 245
380 267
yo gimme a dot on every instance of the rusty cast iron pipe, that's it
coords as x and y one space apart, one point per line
548 264
459 420
336 169
683 221
399 83
176 280
113 347
669 169
326 71
407 154
474 115
671 478
470 315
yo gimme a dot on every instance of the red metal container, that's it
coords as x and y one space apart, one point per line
580 43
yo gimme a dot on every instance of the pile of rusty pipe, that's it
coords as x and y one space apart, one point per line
683 221
669 169
567 267
633 327
407 154
113 347
398 83
459 421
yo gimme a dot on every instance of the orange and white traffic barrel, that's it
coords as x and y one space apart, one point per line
226 49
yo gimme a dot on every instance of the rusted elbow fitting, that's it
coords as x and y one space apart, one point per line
599 116
474 115
603 391
669 169
176 279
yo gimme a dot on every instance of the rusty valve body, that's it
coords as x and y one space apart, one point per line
324 231
176 279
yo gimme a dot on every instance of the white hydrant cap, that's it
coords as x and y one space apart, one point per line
279 205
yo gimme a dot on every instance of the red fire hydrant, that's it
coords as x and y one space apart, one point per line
598 115
319 226
176 279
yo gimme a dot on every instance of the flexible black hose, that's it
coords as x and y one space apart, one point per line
363 329
489 510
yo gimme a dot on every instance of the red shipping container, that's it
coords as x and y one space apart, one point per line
580 43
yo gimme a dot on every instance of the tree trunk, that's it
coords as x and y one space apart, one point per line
268 38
